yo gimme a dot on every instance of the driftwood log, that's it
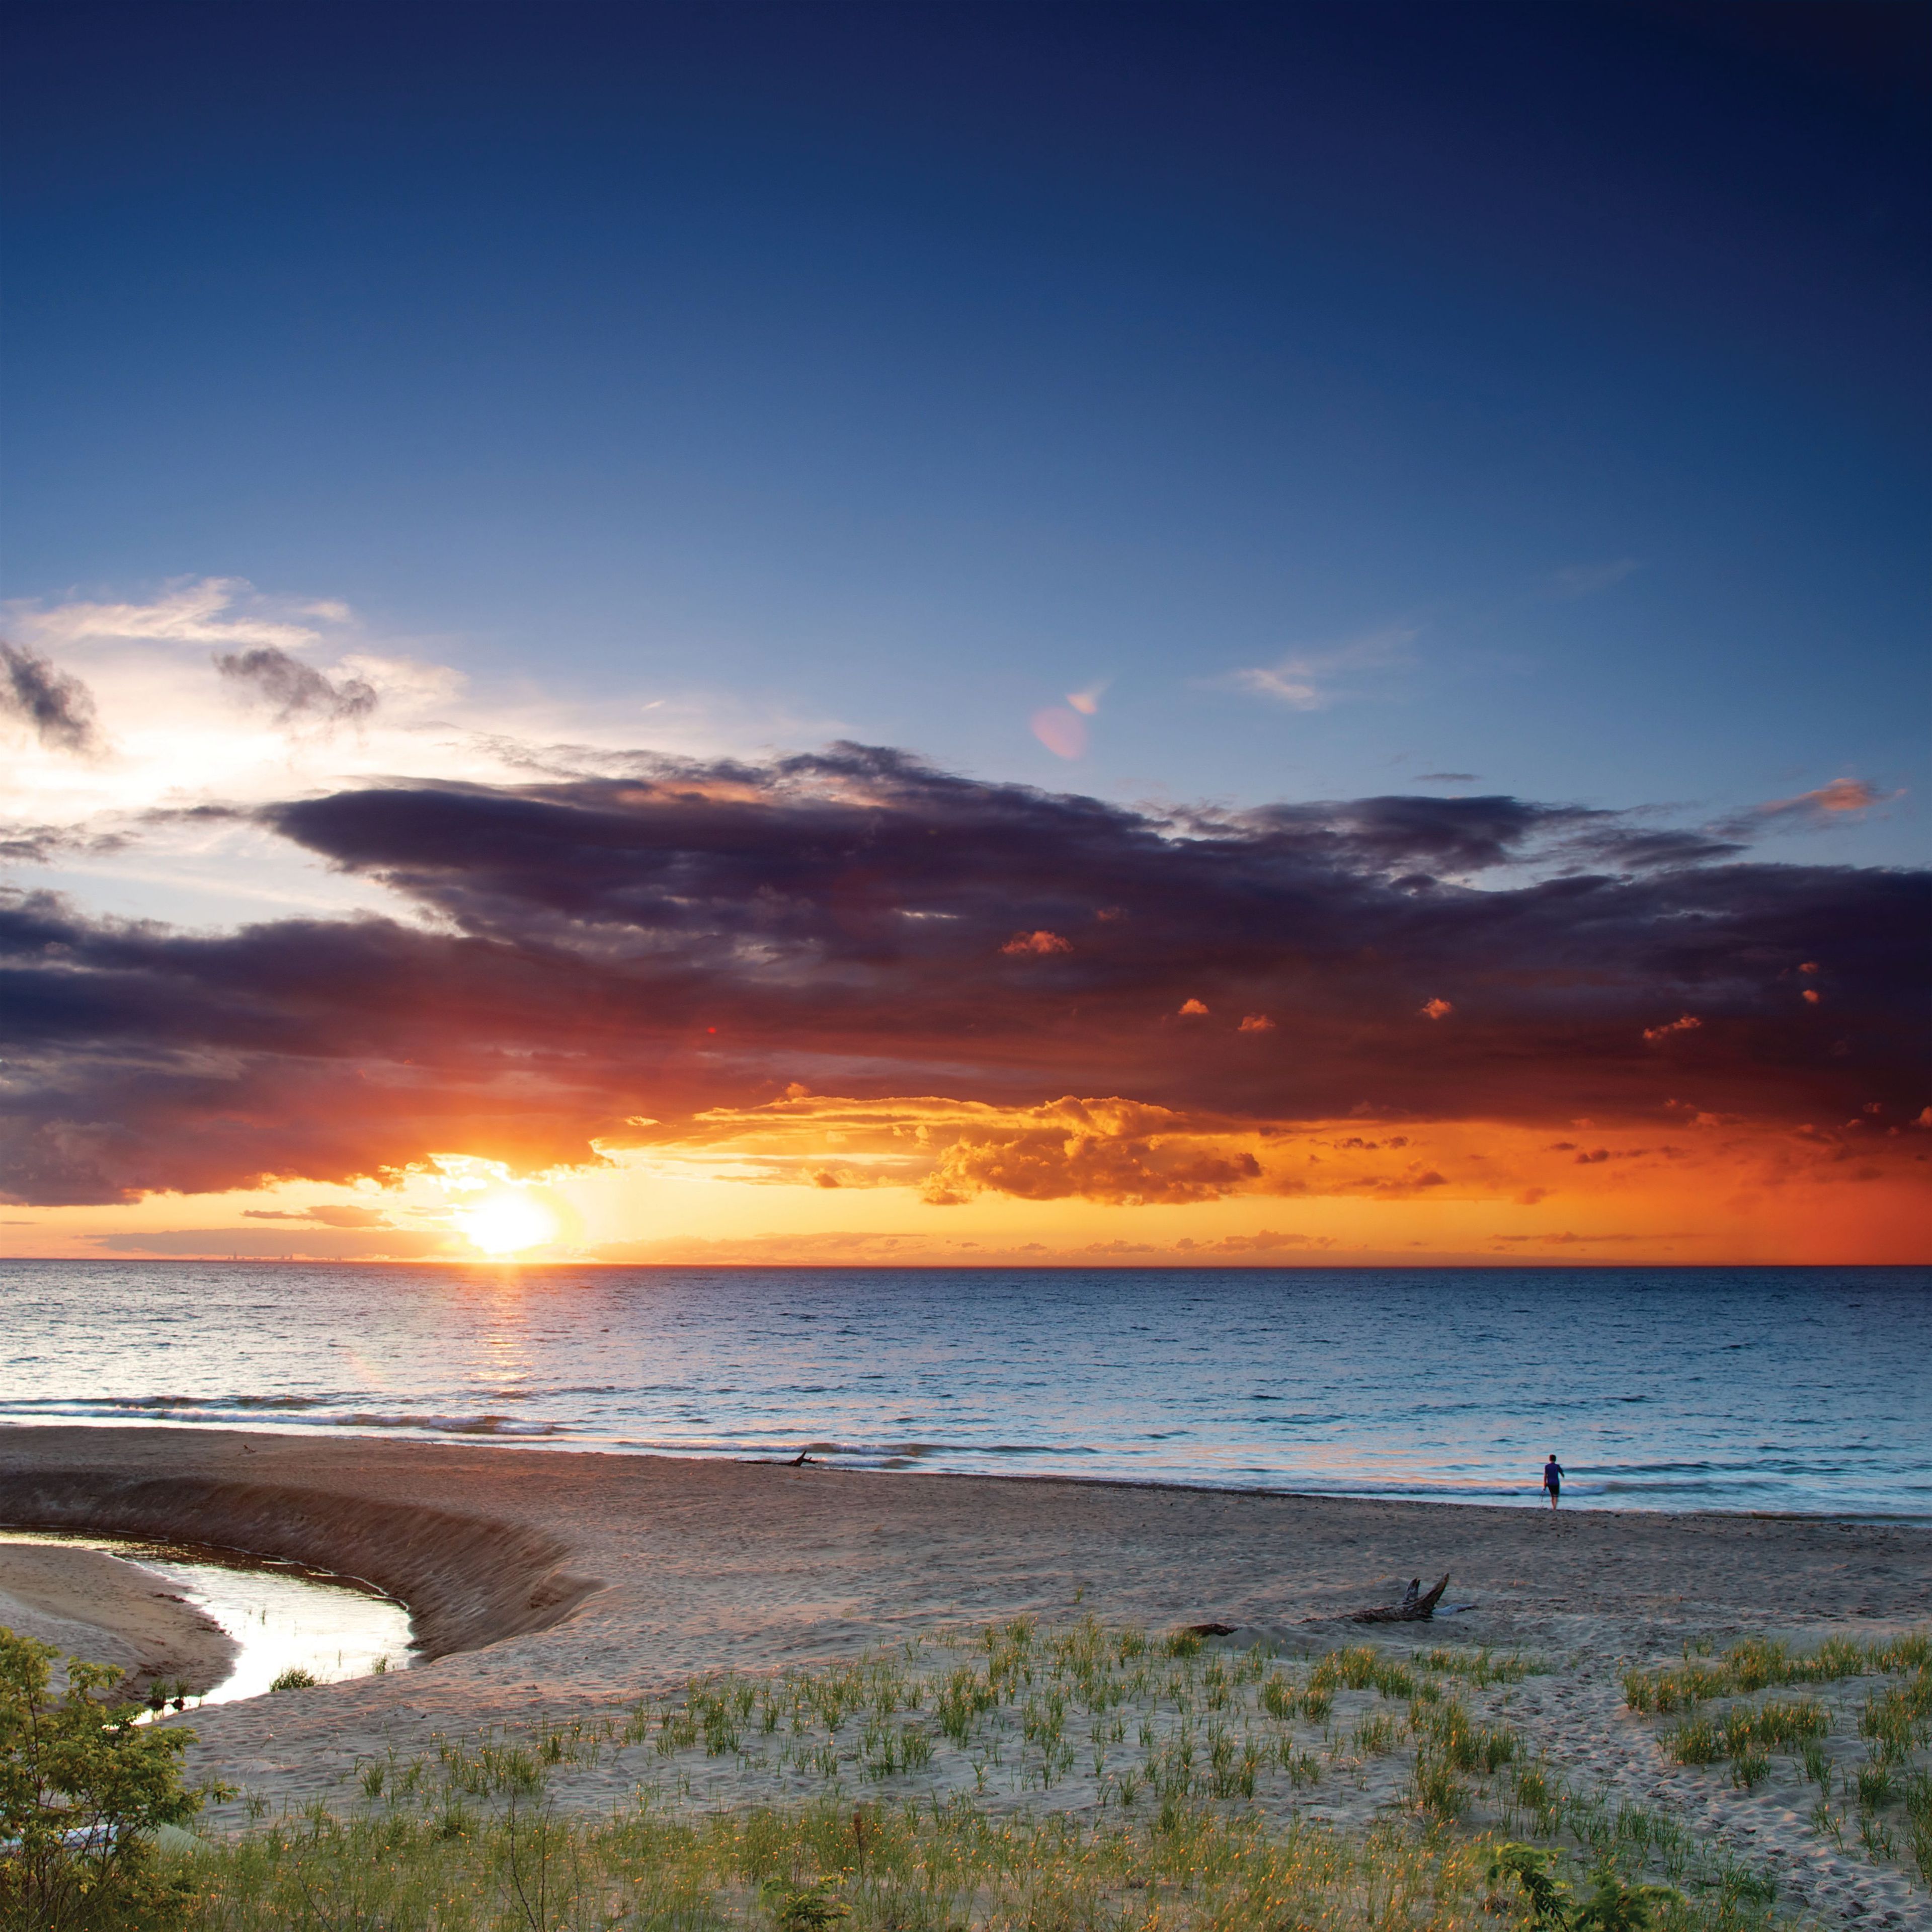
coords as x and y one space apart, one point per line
1415 1607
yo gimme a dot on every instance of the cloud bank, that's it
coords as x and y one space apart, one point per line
581 955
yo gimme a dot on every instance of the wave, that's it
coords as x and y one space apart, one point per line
318 1412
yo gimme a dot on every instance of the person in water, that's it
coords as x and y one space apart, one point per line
1552 1478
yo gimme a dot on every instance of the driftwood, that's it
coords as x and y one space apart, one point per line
1415 1607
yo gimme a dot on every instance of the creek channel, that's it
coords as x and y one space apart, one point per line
282 1616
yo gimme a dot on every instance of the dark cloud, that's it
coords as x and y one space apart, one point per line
40 844
696 938
298 692
1631 850
57 706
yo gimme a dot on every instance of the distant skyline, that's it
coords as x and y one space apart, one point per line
781 592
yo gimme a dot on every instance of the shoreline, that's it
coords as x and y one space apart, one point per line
483 1442
442 1502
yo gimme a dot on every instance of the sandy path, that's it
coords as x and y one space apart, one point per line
106 1610
691 1567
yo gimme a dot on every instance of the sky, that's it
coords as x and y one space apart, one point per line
1034 633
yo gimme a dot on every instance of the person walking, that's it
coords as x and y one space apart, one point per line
1552 1478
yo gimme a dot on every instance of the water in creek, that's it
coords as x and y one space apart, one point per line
281 1615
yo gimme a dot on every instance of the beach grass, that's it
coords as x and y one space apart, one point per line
878 1867
1892 1798
1760 1664
1074 1779
1032 1778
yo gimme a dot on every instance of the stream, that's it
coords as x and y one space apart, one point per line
283 1616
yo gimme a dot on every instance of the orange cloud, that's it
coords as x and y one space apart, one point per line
1843 795
1683 1023
1256 1023
1436 1009
1193 1009
1061 730
1042 944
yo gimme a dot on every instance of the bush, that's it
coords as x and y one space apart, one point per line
82 1787
1612 1904
294 1678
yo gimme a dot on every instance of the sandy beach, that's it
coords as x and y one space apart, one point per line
100 1607
550 1586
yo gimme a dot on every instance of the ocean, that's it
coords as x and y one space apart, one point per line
1782 1389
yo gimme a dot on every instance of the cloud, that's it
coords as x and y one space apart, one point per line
55 704
1586 580
1644 849
1435 1010
1312 680
1061 730
1191 1009
1042 945
1115 1151
1445 778
1808 810
1264 1241
580 953
1840 795
1256 1023
1683 1023
295 691
1568 1240
203 612
274 1244
322 1216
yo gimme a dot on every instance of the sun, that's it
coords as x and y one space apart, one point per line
506 1223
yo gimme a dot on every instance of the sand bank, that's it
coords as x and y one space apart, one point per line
558 1584
107 1610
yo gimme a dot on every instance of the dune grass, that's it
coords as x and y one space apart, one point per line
1762 1663
1016 1779
882 1868
1894 1722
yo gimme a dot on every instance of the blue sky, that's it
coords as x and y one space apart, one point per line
1539 387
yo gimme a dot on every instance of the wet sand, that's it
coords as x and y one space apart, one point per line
557 1585
104 1609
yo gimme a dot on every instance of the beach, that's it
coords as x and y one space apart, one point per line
106 1610
550 1585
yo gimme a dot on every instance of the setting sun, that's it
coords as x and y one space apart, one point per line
505 1224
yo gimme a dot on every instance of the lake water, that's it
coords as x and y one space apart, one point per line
1802 1390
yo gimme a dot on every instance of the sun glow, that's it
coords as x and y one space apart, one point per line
506 1223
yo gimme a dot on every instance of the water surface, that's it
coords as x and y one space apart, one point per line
1775 1389
282 1616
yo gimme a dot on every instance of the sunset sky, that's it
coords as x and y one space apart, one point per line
1002 633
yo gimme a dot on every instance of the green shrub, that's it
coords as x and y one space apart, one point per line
294 1678
1611 1905
810 1908
82 1788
